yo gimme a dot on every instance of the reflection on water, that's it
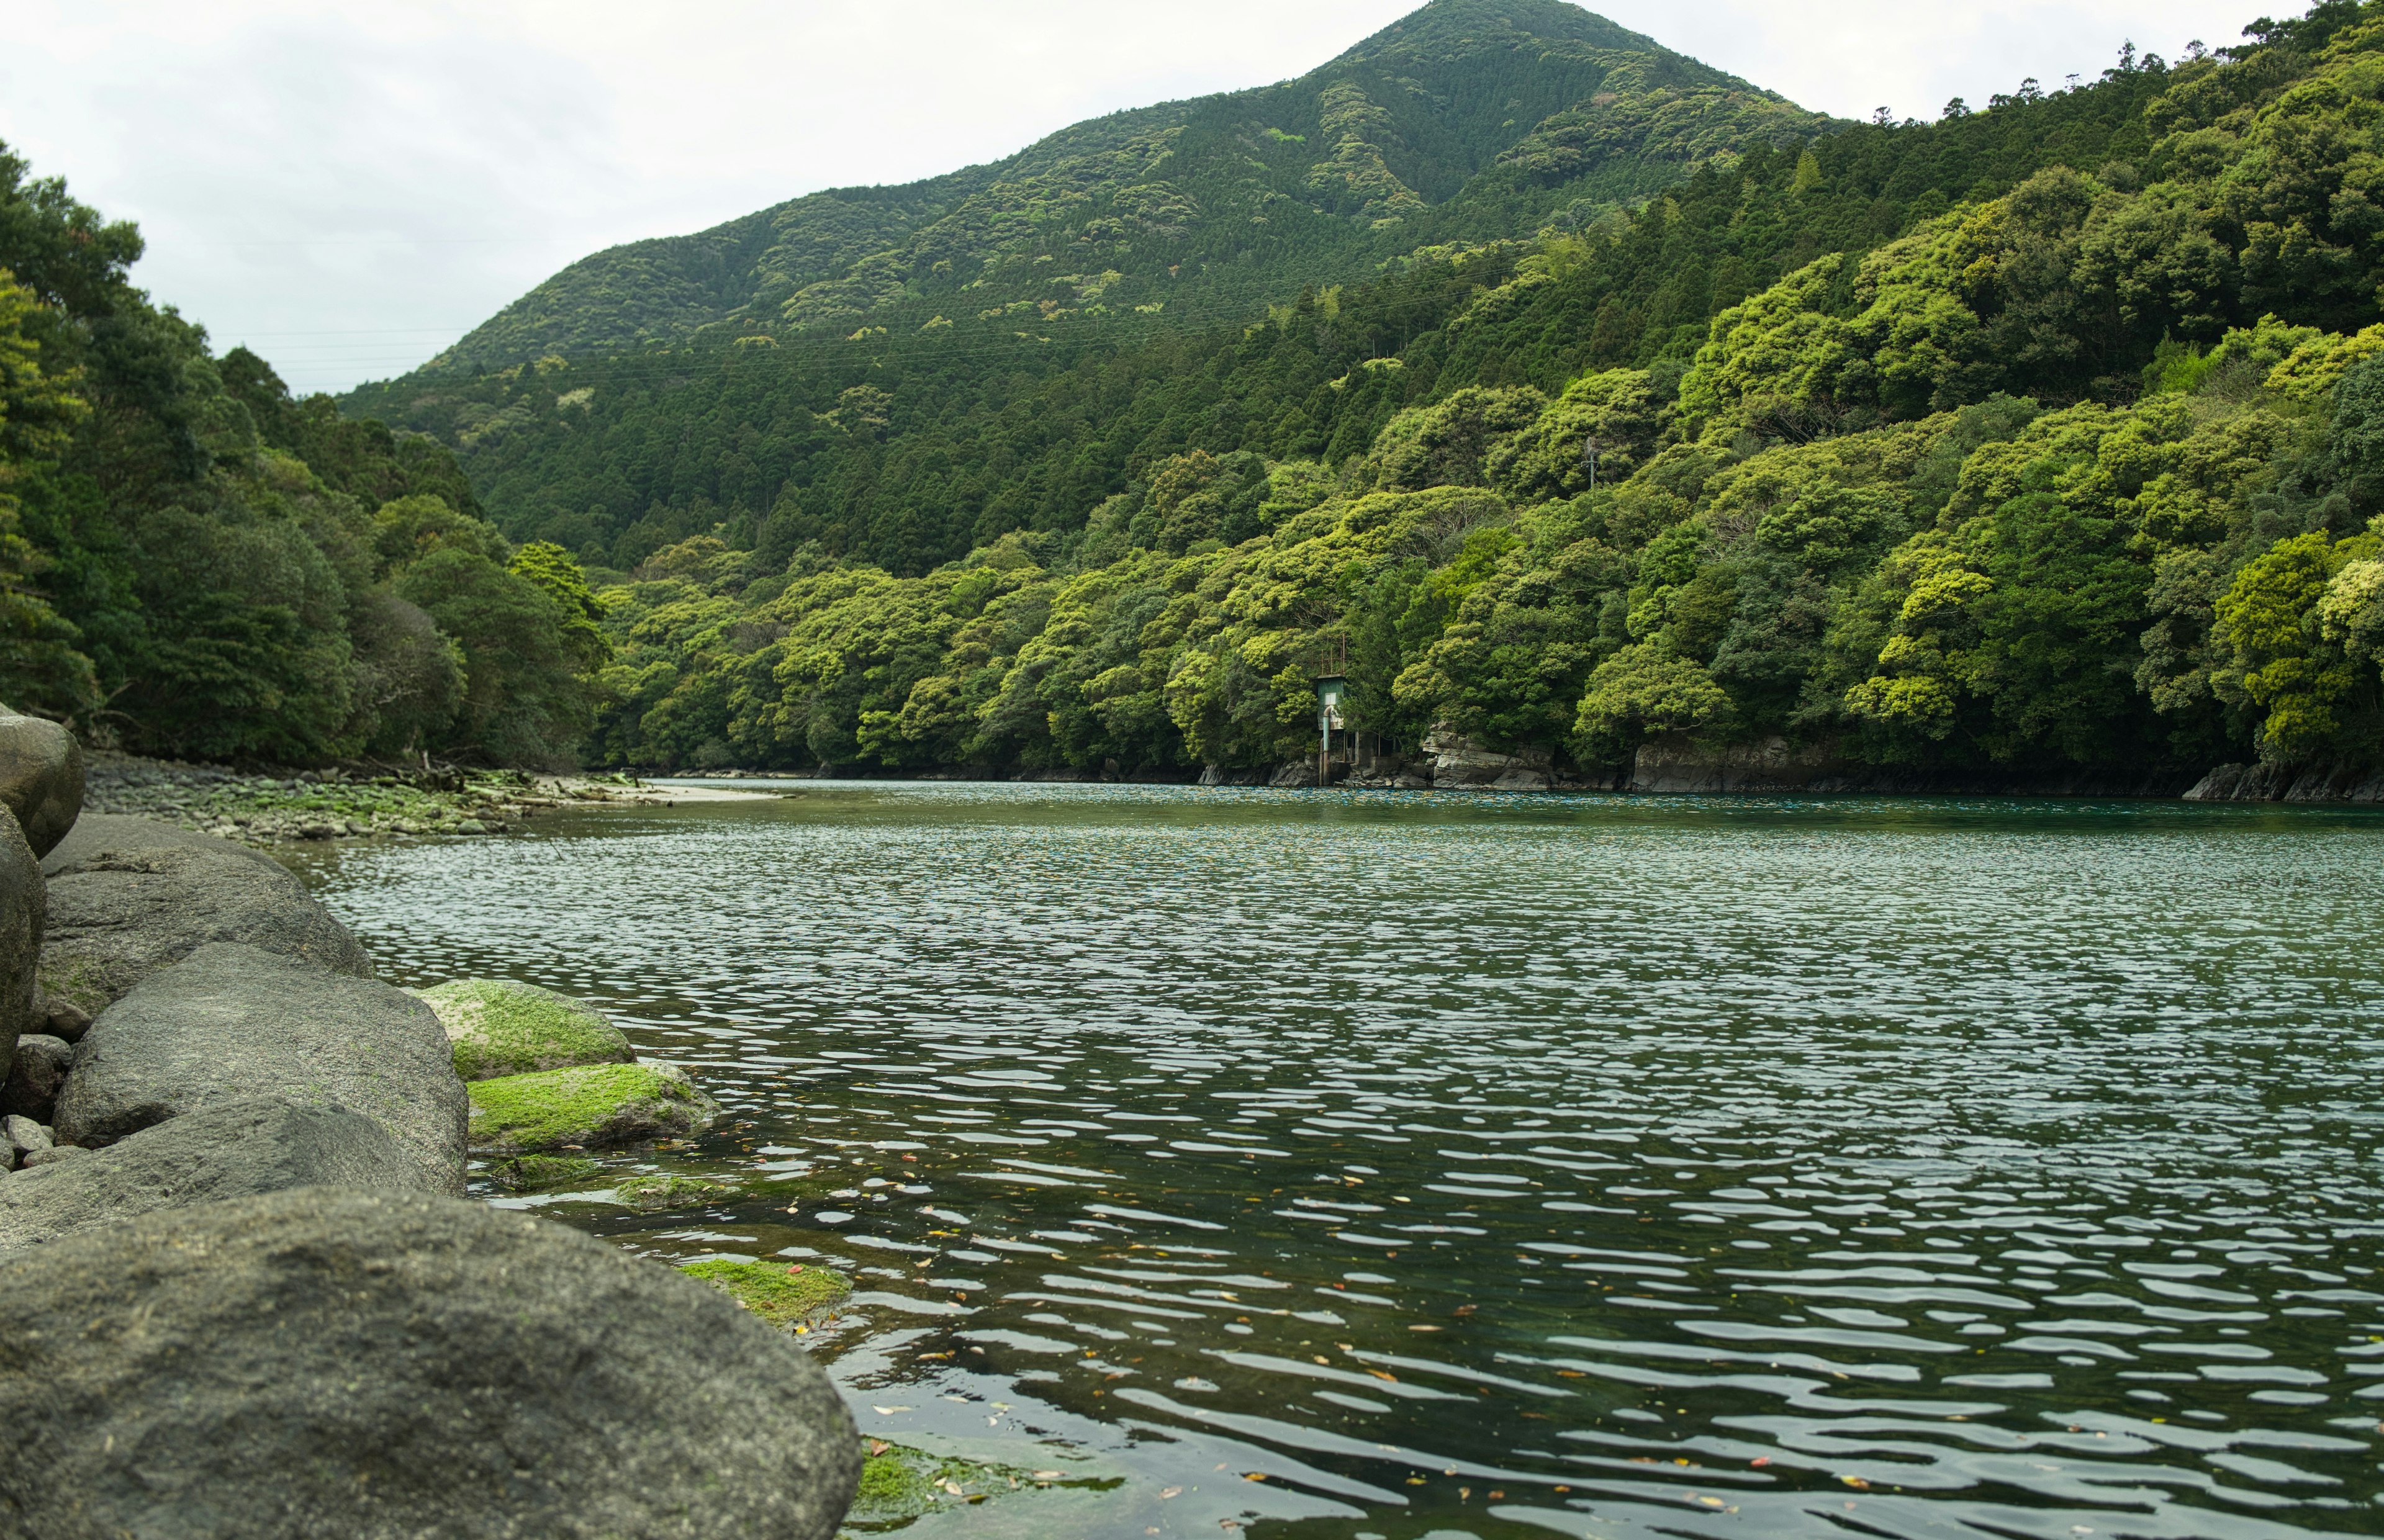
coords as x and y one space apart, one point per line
1402 1165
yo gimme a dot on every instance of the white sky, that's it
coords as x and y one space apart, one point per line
348 188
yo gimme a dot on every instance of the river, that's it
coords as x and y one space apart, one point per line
1410 1165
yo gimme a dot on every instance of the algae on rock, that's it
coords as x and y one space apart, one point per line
898 1484
671 1191
499 1028
789 1296
540 1172
587 1106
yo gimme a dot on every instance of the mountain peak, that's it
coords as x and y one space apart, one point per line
1445 26
1198 207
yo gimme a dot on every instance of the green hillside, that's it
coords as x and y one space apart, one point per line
907 448
1191 208
2036 440
2044 440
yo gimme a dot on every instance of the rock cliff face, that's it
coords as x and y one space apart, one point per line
1460 762
2269 783
1678 765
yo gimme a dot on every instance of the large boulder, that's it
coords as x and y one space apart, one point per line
40 777
235 1150
376 1367
129 896
591 1107
229 1023
23 905
499 1028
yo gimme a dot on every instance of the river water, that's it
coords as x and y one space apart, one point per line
1403 1165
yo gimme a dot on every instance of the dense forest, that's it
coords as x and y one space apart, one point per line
2041 438
193 564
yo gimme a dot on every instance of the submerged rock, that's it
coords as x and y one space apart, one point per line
497 1027
544 1172
31 1088
128 896
40 777
234 1150
787 1296
591 1107
671 1191
374 1366
230 1023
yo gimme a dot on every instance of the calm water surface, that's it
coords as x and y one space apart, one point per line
1399 1165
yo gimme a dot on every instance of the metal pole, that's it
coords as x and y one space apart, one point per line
1324 756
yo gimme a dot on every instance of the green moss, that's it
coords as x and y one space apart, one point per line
669 1191
890 1482
497 1027
787 1296
539 1172
899 1483
589 1107
80 980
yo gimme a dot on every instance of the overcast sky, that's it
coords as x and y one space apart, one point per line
348 188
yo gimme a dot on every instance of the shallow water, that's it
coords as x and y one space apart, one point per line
1468 1165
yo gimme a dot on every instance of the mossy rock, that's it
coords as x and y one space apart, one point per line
785 1294
544 1172
497 1027
671 1191
589 1107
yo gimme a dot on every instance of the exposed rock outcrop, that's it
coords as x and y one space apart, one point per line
2271 783
229 1023
497 1027
1677 764
129 896
373 1366
1457 761
40 777
235 1150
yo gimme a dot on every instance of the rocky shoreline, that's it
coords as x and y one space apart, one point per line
1677 765
244 1288
265 808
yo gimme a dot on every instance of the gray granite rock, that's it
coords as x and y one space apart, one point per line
23 910
129 896
32 1088
64 1020
374 1366
235 1150
229 1023
40 777
53 1155
25 1135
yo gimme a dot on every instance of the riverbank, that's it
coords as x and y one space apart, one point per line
1674 765
268 807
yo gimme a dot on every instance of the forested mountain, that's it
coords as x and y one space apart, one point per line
193 564
2037 438
2041 438
1517 109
